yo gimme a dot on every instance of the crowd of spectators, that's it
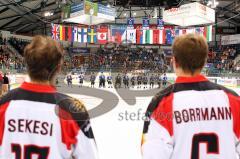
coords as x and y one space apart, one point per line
128 59
18 44
223 59
8 59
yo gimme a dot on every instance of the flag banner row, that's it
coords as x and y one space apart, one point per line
122 34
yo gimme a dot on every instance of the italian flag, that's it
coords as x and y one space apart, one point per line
208 33
148 36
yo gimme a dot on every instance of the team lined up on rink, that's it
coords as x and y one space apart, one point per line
126 80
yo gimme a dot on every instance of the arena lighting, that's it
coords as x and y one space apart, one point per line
134 14
48 14
213 3
125 14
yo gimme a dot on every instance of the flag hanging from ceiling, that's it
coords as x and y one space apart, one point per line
162 36
55 31
110 36
156 36
82 35
70 34
184 31
139 36
92 35
209 33
102 35
148 36
119 35
169 38
177 32
131 35
62 32
199 30
191 31
75 34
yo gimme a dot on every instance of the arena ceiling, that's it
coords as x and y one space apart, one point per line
26 16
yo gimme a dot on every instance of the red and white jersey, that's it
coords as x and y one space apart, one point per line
36 122
192 119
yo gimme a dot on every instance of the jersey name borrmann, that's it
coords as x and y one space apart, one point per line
202 114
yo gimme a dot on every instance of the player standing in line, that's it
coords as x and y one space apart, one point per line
38 122
133 81
109 80
164 80
139 81
69 80
159 80
102 80
81 78
126 80
193 118
118 81
92 80
152 79
145 81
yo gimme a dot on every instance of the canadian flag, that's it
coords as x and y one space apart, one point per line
102 36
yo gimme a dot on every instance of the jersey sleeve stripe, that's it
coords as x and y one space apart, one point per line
164 114
3 109
69 129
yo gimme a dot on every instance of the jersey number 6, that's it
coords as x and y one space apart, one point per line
211 141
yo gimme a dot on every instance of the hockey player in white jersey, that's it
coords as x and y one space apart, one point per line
38 122
193 118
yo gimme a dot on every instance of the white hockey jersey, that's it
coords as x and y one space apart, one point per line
36 122
192 119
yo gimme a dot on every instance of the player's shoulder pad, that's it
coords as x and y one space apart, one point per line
158 97
72 106
75 108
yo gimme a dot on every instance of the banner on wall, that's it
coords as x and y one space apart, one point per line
230 39
146 23
91 7
160 23
79 50
66 11
130 23
88 13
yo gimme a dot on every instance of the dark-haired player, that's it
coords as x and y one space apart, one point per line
139 81
109 80
145 81
164 80
38 122
81 78
133 79
152 79
126 81
92 80
193 118
118 81
159 80
69 80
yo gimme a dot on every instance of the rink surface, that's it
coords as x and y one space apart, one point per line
117 132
